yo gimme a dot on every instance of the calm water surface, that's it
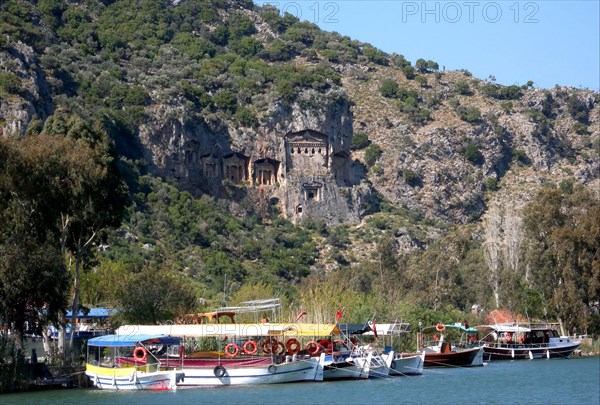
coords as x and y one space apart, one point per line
554 381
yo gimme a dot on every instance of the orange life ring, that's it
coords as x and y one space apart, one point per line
313 348
508 336
233 353
292 346
250 347
140 354
440 327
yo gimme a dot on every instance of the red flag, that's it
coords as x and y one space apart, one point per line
300 315
374 327
338 316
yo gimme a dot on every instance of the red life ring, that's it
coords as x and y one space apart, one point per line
440 327
508 336
292 346
313 348
268 345
140 354
522 338
278 348
250 347
326 343
233 353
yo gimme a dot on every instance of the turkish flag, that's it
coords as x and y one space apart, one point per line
338 316
300 315
374 327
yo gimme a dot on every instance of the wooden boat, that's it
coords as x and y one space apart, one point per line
514 341
261 353
464 351
107 370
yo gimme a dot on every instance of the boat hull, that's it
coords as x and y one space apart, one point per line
461 358
125 379
527 352
345 370
407 364
300 370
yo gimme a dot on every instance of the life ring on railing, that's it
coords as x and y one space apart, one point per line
278 348
326 343
312 348
522 338
293 346
140 354
268 345
233 353
440 327
508 337
250 347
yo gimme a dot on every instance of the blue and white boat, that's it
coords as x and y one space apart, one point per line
132 362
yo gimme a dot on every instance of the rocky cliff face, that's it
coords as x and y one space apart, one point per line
179 143
512 137
30 100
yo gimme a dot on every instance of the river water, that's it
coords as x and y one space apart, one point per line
554 381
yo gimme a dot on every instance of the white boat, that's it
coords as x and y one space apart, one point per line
514 341
407 363
262 353
400 364
346 366
381 364
107 370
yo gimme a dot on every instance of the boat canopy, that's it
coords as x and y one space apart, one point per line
513 328
131 340
453 326
354 328
237 329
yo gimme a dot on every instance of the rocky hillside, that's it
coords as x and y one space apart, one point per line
231 99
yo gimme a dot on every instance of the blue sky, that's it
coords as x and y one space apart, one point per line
549 42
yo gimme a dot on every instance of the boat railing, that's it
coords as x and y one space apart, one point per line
516 345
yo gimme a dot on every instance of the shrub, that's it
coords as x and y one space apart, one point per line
360 140
411 178
473 155
422 80
9 83
388 88
580 128
491 184
372 153
469 114
462 87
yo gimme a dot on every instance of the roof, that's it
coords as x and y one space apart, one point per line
131 340
238 329
354 328
94 313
